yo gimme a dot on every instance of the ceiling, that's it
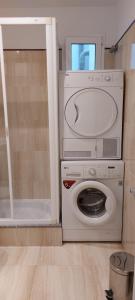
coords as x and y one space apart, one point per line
43 3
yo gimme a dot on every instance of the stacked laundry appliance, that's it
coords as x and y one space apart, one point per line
91 107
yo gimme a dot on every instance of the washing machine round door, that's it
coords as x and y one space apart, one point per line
93 203
91 112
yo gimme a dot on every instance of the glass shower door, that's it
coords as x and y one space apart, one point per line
5 211
26 81
32 130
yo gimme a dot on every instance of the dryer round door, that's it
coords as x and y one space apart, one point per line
91 112
93 203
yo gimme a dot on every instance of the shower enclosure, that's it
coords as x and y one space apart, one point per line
29 168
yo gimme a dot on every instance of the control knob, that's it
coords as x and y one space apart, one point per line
108 78
92 171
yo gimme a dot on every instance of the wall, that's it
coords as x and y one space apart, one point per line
26 79
125 54
109 59
109 20
125 15
123 60
72 21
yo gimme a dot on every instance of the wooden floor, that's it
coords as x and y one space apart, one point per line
75 271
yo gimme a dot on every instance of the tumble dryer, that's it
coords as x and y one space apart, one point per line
92 200
91 105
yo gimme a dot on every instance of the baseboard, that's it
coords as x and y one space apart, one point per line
31 236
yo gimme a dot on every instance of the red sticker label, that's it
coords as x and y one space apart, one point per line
68 183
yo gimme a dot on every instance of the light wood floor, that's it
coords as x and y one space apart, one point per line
75 271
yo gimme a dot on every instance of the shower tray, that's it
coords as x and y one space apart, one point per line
26 212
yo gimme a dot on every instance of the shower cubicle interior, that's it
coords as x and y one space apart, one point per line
29 176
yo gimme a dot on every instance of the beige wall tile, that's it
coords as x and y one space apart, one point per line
129 205
3 165
109 60
123 55
31 174
129 107
28 115
123 60
31 236
28 140
129 141
28 123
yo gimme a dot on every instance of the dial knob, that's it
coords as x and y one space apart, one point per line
92 171
108 78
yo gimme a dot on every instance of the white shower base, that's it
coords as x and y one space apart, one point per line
26 212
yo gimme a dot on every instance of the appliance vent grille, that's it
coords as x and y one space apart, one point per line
77 154
110 147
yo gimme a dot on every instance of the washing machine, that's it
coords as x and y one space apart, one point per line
92 200
91 105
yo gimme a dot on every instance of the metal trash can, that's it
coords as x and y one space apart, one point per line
121 275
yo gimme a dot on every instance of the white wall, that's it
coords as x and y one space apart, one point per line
75 21
109 21
125 15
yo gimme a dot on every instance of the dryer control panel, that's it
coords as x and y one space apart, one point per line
93 78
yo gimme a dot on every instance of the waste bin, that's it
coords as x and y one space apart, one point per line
121 275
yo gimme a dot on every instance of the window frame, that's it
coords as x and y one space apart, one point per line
97 40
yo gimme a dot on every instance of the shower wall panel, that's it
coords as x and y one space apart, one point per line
26 84
4 183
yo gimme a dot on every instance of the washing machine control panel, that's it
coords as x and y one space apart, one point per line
72 172
108 171
93 171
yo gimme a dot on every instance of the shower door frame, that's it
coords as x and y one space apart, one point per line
51 47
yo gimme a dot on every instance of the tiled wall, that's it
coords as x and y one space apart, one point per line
27 100
123 56
109 59
28 126
123 60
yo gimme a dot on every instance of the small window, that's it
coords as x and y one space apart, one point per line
83 57
84 53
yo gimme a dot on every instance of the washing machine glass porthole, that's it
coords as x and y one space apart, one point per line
91 202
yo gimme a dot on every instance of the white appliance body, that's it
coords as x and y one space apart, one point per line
92 200
91 105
